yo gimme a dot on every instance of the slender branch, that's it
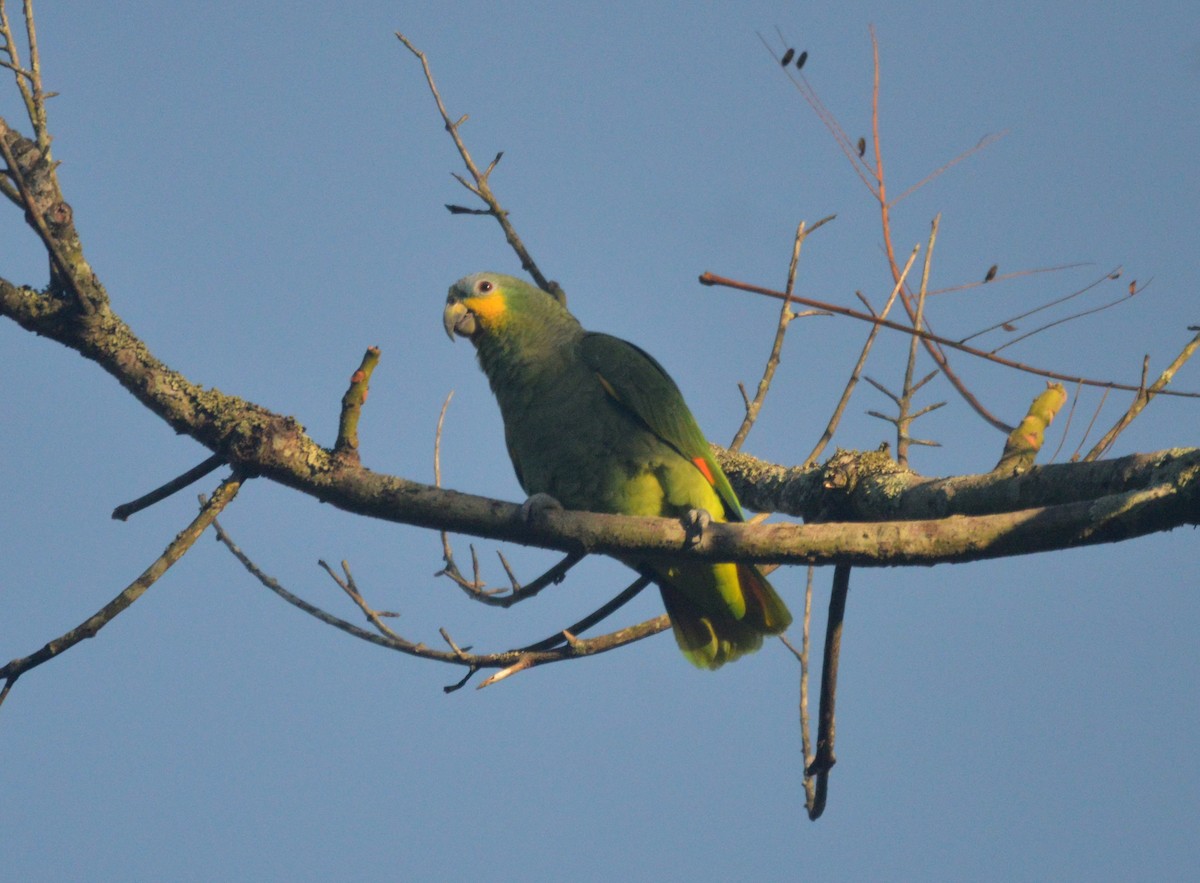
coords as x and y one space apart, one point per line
852 383
785 317
508 661
1012 320
1143 398
713 279
1016 274
92 625
904 418
627 594
826 117
26 79
1091 425
197 472
984 142
480 188
346 584
518 592
1071 318
825 758
810 791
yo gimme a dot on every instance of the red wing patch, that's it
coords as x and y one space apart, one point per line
607 387
704 470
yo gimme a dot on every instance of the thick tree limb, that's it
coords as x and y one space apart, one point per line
261 442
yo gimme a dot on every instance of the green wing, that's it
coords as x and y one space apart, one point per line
643 388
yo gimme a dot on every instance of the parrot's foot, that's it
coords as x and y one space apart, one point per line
536 505
694 524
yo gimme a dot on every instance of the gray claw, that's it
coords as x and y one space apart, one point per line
694 524
536 505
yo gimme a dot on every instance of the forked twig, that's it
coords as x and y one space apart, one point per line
852 383
713 279
480 187
508 661
753 406
1012 320
1143 398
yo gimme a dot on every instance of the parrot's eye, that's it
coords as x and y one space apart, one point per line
484 287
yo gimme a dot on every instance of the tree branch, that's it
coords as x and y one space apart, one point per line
92 625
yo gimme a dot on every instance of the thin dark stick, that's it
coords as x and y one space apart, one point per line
1012 320
627 595
826 731
197 472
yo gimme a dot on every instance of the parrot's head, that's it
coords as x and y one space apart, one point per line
492 304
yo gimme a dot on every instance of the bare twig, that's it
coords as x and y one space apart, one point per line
827 119
825 757
480 187
1079 315
346 584
984 142
1066 425
509 660
810 794
1143 398
785 317
852 383
627 594
1012 320
92 625
29 80
197 472
712 279
904 418
1091 424
518 592
1016 274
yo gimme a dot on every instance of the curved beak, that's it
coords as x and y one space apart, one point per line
457 319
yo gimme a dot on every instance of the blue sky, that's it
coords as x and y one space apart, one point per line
262 193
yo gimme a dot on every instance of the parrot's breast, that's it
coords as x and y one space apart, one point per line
569 438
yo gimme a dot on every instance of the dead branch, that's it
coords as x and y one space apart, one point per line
713 279
480 186
785 317
106 614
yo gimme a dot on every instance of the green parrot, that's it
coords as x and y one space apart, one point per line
596 424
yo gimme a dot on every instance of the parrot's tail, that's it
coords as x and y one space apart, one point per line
711 637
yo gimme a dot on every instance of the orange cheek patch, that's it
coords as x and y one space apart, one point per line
488 309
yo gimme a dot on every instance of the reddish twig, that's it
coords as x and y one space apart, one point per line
712 279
